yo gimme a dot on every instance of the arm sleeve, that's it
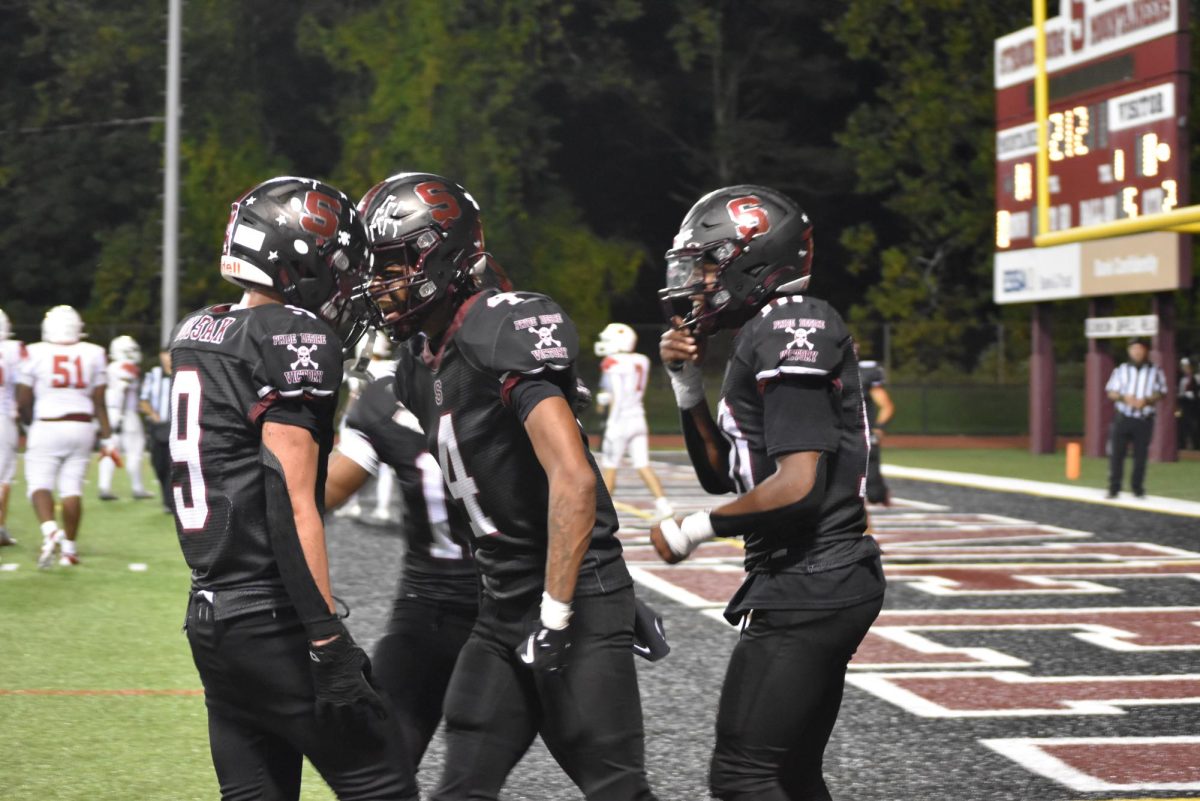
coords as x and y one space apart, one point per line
802 340
800 413
25 372
299 374
528 393
99 377
1114 383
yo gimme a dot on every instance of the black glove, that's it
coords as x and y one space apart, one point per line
341 676
545 650
649 636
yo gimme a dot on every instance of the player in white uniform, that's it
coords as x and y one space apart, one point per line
380 365
623 376
121 400
60 394
12 352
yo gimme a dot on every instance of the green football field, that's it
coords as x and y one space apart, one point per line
98 695
1174 479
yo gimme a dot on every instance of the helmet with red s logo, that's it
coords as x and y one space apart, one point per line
426 240
304 240
757 243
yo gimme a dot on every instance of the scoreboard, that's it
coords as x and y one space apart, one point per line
1117 148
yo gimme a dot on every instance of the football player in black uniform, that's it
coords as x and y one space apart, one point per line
790 439
489 375
879 411
252 403
438 596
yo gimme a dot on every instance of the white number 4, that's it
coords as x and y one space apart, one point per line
511 298
462 486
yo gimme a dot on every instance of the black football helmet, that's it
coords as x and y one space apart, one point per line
426 241
761 244
305 240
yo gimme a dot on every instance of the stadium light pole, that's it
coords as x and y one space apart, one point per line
170 234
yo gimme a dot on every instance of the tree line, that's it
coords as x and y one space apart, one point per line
584 128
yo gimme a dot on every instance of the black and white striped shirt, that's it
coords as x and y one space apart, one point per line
1141 382
156 391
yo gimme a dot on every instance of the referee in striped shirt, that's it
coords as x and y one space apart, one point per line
156 406
1135 386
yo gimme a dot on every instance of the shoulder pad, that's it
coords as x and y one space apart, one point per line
300 354
796 335
518 332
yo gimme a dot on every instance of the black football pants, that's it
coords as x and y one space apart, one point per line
1126 431
589 715
780 700
413 662
877 489
259 695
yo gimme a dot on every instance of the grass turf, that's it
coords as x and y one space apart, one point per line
74 637
1172 479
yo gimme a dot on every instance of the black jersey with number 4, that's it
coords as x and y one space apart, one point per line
437 556
792 384
235 369
501 352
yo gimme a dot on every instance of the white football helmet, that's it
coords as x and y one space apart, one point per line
125 349
616 338
5 326
62 325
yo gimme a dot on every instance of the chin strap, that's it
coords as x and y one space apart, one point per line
356 367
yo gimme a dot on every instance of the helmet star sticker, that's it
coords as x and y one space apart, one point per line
273 255
250 200
281 219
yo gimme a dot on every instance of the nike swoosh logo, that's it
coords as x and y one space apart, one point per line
527 657
641 649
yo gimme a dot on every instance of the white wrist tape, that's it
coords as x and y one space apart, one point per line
684 537
688 384
555 614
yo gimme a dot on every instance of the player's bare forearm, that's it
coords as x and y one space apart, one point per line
101 412
572 514
883 404
706 447
558 445
145 408
793 479
298 453
25 403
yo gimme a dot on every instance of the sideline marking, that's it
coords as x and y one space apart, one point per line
1008 694
1034 754
110 693
1046 489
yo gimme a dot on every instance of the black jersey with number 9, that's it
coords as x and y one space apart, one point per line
233 370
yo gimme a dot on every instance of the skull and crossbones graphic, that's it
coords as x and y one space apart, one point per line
545 339
303 356
800 337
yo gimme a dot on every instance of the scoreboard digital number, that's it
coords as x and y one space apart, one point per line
1116 147
1111 158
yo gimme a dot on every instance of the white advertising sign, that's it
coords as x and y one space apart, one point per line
1141 325
1082 31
